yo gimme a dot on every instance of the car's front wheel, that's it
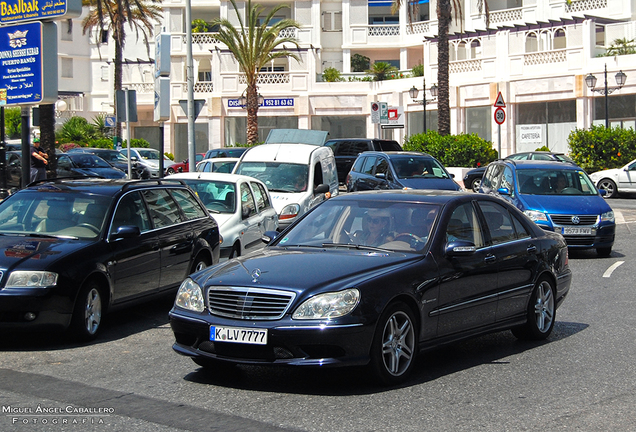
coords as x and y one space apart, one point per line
200 263
394 344
475 184
170 171
541 312
87 315
611 191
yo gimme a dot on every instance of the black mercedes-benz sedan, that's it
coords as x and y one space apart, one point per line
73 249
373 278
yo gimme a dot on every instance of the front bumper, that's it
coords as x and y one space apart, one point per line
31 309
289 342
601 237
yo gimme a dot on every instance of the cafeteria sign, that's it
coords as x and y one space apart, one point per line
24 50
12 11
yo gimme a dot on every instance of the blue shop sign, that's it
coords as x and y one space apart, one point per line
267 102
24 50
12 11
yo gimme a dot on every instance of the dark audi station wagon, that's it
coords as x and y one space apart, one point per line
74 249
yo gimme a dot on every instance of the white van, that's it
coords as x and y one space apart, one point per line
298 176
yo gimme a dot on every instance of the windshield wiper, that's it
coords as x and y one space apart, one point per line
354 246
282 190
40 235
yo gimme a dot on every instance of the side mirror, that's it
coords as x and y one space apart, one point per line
134 158
180 169
381 176
503 191
602 192
269 236
126 231
245 212
451 175
321 189
459 248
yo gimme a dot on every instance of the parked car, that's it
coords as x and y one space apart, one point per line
398 170
147 158
240 205
614 181
68 165
319 295
112 156
298 176
472 178
558 197
223 152
75 249
220 165
346 150
86 164
183 166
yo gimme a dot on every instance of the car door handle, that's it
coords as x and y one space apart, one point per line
532 249
490 259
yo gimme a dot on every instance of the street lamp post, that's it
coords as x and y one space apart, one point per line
590 81
413 92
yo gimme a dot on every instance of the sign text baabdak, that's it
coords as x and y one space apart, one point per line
12 11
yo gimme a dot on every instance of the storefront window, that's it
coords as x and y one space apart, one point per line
479 121
415 122
341 127
236 128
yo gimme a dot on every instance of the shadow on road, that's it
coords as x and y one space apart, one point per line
349 381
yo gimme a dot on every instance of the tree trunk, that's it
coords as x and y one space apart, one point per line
47 137
252 114
443 105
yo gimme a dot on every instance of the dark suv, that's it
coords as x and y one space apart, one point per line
74 249
346 150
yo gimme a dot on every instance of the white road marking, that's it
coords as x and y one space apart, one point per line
613 267
619 218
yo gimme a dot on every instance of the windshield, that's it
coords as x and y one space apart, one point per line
217 196
418 167
88 161
112 156
75 215
554 182
148 154
277 176
354 224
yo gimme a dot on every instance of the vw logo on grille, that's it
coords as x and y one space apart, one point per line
575 220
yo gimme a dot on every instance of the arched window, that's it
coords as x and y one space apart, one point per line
452 51
475 49
461 51
205 70
532 44
559 40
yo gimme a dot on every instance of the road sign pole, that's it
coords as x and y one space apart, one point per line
499 140
128 133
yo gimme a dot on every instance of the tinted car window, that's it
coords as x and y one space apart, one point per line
247 200
367 168
352 148
464 225
131 211
389 146
163 210
521 230
188 204
507 180
491 176
357 165
260 197
498 221
383 167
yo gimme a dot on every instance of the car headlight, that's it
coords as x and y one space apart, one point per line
607 216
289 211
190 296
536 215
31 279
328 305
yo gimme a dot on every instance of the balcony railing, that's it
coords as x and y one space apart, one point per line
203 38
585 5
203 87
384 30
141 88
506 16
268 78
545 57
463 66
419 27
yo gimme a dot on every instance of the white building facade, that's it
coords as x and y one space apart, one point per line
537 53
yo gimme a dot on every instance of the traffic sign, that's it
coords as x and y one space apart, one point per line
109 121
500 115
375 112
499 103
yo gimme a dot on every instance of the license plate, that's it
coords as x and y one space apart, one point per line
238 335
577 231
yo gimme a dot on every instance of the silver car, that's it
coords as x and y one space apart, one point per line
241 206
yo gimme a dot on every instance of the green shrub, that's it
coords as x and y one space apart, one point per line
418 70
602 148
331 75
13 123
543 148
76 129
199 26
359 63
453 150
101 143
169 156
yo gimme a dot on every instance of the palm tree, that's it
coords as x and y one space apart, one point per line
447 10
141 16
381 70
255 44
